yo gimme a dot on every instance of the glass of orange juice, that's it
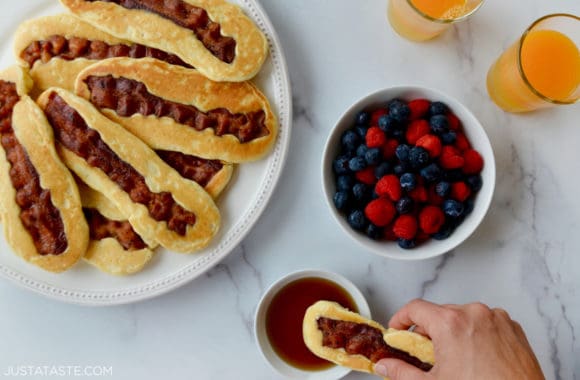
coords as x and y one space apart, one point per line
421 20
540 70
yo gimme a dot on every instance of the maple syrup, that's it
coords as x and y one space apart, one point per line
286 312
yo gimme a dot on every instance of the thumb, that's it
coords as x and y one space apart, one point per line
396 369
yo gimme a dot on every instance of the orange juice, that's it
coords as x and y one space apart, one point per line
421 20
551 62
440 9
541 70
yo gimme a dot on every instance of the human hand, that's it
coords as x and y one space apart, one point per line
471 342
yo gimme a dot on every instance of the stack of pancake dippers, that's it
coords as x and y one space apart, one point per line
120 126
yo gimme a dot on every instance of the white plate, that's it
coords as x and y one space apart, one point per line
241 204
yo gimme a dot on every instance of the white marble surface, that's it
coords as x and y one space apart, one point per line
525 257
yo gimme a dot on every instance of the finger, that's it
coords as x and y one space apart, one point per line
518 328
501 313
453 306
504 321
419 330
519 331
478 309
418 312
396 369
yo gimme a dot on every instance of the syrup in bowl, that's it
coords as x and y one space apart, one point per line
285 314
279 318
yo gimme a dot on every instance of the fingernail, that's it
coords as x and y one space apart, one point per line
381 369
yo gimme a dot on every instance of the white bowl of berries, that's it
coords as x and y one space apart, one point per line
408 172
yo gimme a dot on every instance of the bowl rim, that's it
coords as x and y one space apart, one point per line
484 198
261 338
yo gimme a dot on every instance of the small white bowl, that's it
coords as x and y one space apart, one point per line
474 132
285 369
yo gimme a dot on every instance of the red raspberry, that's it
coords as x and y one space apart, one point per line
376 115
416 130
460 191
390 234
405 227
433 197
431 219
450 158
419 108
454 123
431 144
389 186
375 138
419 194
473 162
389 148
366 176
461 142
380 212
420 181
422 237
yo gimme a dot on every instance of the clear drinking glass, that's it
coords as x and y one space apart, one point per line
541 69
421 20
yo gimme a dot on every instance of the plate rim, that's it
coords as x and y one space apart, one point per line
186 274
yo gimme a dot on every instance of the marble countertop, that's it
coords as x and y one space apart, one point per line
525 257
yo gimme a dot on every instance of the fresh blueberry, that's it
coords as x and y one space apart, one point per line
453 209
400 169
406 244
340 165
399 135
357 220
374 156
388 124
357 163
443 189
362 150
445 231
350 140
457 221
399 110
374 232
394 101
455 175
431 173
382 170
374 195
475 182
362 118
361 130
408 181
418 157
404 205
341 200
469 206
439 124
402 152
449 138
361 192
438 108
344 183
